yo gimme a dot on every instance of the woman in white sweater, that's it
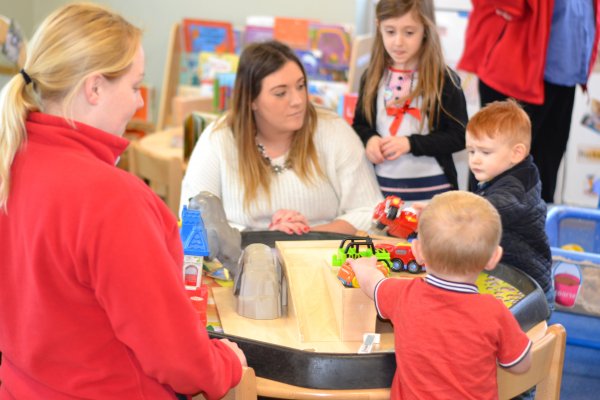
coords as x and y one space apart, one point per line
278 163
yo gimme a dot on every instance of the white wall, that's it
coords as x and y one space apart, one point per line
157 16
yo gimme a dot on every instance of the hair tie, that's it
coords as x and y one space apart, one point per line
25 76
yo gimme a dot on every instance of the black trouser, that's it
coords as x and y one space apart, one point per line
550 125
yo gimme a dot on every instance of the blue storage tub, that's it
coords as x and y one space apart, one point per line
574 226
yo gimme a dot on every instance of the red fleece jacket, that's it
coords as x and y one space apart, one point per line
510 56
92 304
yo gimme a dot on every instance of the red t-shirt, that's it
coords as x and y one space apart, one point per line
449 339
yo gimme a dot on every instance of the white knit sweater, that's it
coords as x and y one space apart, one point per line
349 191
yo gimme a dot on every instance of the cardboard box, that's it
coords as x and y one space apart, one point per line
355 313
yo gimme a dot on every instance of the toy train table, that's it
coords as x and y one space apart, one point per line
314 345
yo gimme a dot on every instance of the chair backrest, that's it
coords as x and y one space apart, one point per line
163 173
548 356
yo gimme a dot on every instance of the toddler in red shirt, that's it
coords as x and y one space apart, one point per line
449 338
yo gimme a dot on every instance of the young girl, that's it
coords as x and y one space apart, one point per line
411 112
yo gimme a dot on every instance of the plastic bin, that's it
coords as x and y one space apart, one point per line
574 235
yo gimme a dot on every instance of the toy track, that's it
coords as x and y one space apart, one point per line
316 370
365 371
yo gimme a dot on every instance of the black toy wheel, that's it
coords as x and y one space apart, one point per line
397 265
413 267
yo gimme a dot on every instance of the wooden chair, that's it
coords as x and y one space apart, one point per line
546 369
163 173
245 390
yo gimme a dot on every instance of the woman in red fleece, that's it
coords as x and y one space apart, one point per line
91 299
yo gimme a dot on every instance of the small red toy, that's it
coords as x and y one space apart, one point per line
398 223
402 257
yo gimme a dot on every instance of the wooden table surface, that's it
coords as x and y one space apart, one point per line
310 323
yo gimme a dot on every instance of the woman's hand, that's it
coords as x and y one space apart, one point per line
238 352
373 150
289 221
392 147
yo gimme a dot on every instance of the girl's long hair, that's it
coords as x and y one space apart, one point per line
431 69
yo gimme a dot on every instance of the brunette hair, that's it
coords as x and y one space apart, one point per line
258 61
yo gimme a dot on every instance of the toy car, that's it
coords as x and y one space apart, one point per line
398 223
348 278
356 247
401 257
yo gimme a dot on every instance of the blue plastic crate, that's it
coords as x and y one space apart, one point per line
576 274
573 226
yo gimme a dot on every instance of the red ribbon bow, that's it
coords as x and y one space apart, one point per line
399 112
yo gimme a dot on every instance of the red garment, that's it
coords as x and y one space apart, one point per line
92 303
448 342
510 56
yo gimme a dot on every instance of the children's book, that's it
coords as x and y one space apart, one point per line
204 35
223 91
210 64
347 106
292 31
257 34
333 44
144 113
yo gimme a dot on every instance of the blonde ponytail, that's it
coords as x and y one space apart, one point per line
72 43
15 104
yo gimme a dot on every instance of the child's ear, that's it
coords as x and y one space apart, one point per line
494 259
519 152
416 249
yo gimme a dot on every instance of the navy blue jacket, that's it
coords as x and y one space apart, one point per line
516 194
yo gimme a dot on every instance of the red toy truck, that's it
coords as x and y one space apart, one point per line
402 258
398 223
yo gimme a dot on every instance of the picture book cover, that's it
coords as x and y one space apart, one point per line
204 35
210 64
144 113
292 31
333 44
257 34
347 106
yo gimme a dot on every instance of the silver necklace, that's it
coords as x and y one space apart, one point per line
276 168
